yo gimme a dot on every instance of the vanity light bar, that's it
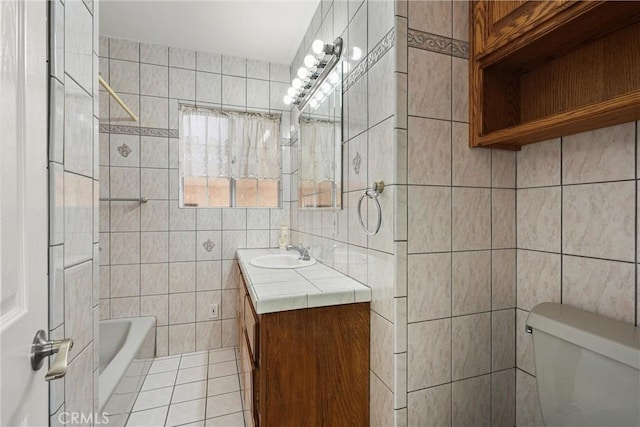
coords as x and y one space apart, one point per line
314 78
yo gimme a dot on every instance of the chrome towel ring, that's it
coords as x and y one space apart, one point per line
372 193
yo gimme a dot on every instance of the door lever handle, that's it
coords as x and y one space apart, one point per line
43 348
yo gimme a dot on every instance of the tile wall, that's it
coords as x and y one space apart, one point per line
370 147
73 195
461 235
577 236
156 258
464 252
442 268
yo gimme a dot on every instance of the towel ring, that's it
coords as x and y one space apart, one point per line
372 193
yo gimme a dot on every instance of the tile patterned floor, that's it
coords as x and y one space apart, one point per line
193 389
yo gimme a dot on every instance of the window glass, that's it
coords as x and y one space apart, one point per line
229 159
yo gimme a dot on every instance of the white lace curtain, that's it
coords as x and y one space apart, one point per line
317 145
226 144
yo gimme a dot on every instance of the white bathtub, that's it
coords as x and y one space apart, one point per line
127 348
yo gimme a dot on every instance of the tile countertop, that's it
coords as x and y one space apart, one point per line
274 290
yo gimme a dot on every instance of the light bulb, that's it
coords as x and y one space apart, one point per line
313 103
319 95
317 46
356 53
291 92
287 100
309 61
326 87
333 78
296 83
303 72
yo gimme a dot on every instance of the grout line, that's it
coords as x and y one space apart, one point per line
451 168
561 251
172 392
139 211
206 386
635 242
406 212
491 318
576 255
515 303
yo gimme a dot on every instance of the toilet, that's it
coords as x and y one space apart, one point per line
587 367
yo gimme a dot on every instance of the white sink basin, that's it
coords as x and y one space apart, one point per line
280 261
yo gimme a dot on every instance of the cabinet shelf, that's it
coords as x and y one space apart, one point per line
576 67
615 111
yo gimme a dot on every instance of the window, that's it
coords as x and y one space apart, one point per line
229 159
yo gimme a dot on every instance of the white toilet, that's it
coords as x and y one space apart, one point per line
587 367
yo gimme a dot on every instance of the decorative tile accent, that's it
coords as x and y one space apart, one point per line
134 130
124 150
374 56
438 44
209 245
357 162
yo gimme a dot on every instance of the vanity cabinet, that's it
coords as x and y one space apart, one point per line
306 367
544 69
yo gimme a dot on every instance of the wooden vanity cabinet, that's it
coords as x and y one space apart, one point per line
307 367
545 69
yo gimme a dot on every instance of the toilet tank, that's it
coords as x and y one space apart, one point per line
587 367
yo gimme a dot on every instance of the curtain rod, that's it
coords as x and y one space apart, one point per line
140 199
117 98
228 110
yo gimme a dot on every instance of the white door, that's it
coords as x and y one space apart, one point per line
23 209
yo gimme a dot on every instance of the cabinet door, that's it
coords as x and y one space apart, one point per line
251 325
240 312
246 377
495 23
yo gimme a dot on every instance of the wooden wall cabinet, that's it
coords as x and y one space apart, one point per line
307 367
544 69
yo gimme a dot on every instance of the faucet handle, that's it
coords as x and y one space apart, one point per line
304 255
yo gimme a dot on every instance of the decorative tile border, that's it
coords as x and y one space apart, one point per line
142 131
374 56
438 44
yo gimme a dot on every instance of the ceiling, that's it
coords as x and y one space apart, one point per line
265 30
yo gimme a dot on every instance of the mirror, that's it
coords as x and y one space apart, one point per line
320 146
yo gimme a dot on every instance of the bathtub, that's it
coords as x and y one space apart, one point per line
127 348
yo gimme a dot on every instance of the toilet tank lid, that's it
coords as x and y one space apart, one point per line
608 337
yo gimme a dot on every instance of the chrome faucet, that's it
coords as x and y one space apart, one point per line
304 252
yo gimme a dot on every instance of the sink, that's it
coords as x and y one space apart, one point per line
280 261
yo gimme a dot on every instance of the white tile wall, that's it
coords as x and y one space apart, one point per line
153 258
78 129
73 198
78 219
78 44
586 186
461 233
